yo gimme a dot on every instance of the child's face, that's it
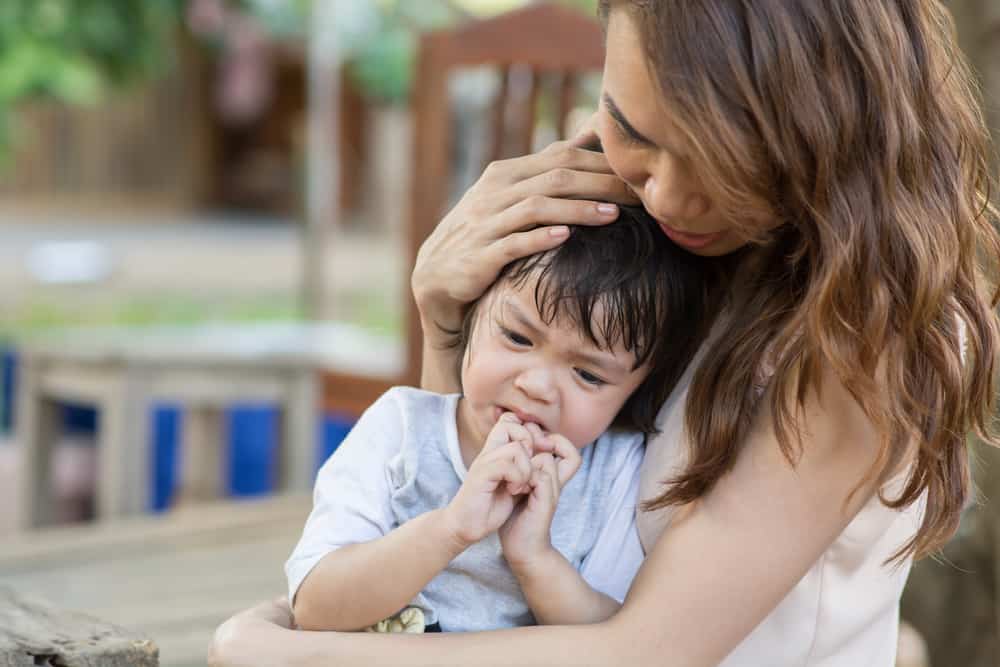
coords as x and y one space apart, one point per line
552 375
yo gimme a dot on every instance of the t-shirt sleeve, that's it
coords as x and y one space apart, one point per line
352 492
617 554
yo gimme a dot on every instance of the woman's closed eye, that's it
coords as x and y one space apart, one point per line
590 378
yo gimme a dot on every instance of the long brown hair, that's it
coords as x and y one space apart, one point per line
856 126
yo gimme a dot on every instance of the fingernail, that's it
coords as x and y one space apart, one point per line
559 231
607 209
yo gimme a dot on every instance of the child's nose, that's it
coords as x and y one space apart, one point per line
537 383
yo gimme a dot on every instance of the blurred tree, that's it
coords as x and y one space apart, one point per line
72 50
378 38
953 601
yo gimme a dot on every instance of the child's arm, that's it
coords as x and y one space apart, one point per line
558 594
360 584
365 580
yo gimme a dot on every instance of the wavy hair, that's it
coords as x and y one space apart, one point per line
856 125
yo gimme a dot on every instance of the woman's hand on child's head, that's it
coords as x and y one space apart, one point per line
517 208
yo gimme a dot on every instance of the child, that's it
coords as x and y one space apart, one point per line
512 503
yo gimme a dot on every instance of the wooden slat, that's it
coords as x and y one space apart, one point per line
567 100
543 35
529 113
499 124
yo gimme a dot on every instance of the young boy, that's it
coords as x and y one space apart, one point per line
512 503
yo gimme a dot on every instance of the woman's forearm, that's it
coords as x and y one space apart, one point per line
538 646
438 372
361 584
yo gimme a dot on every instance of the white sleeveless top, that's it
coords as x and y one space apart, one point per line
845 611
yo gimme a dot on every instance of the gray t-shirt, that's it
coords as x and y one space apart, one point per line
402 459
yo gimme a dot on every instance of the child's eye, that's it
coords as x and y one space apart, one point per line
590 378
514 337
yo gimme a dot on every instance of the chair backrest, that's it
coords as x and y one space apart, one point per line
531 47
540 44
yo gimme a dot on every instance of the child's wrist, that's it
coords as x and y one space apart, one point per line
449 531
536 563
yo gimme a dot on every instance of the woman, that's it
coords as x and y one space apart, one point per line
816 445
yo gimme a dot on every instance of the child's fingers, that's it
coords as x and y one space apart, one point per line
545 485
509 464
507 429
567 455
537 435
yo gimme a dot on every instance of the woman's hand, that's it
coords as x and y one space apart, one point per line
517 208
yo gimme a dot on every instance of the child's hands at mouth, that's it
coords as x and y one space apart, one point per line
501 471
525 535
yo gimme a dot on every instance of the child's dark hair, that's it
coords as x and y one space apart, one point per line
656 300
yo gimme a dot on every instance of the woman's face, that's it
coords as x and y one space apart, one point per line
646 151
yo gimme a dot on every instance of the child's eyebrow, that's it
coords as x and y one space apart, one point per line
605 362
518 314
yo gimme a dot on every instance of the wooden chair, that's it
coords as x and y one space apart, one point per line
530 48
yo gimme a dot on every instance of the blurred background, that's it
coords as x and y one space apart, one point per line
208 214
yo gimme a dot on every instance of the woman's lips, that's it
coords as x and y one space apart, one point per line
687 240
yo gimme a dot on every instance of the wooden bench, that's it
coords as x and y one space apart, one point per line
173 578
34 632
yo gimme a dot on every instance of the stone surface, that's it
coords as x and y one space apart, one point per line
33 632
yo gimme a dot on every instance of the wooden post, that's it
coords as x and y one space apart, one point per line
323 171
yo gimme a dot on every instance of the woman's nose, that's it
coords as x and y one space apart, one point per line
669 198
537 384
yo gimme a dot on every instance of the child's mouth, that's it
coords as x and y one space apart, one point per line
524 418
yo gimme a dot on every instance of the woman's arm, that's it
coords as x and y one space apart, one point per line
360 584
725 563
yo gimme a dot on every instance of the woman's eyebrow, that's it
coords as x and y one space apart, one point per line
619 117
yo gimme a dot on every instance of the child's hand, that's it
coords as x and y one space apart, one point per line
501 471
525 536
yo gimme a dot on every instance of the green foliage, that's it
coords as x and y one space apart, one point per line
73 50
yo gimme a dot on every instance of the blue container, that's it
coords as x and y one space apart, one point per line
165 424
334 427
253 435
8 386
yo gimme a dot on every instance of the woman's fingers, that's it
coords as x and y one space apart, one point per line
568 183
541 209
559 154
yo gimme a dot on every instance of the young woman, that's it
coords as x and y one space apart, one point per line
817 443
